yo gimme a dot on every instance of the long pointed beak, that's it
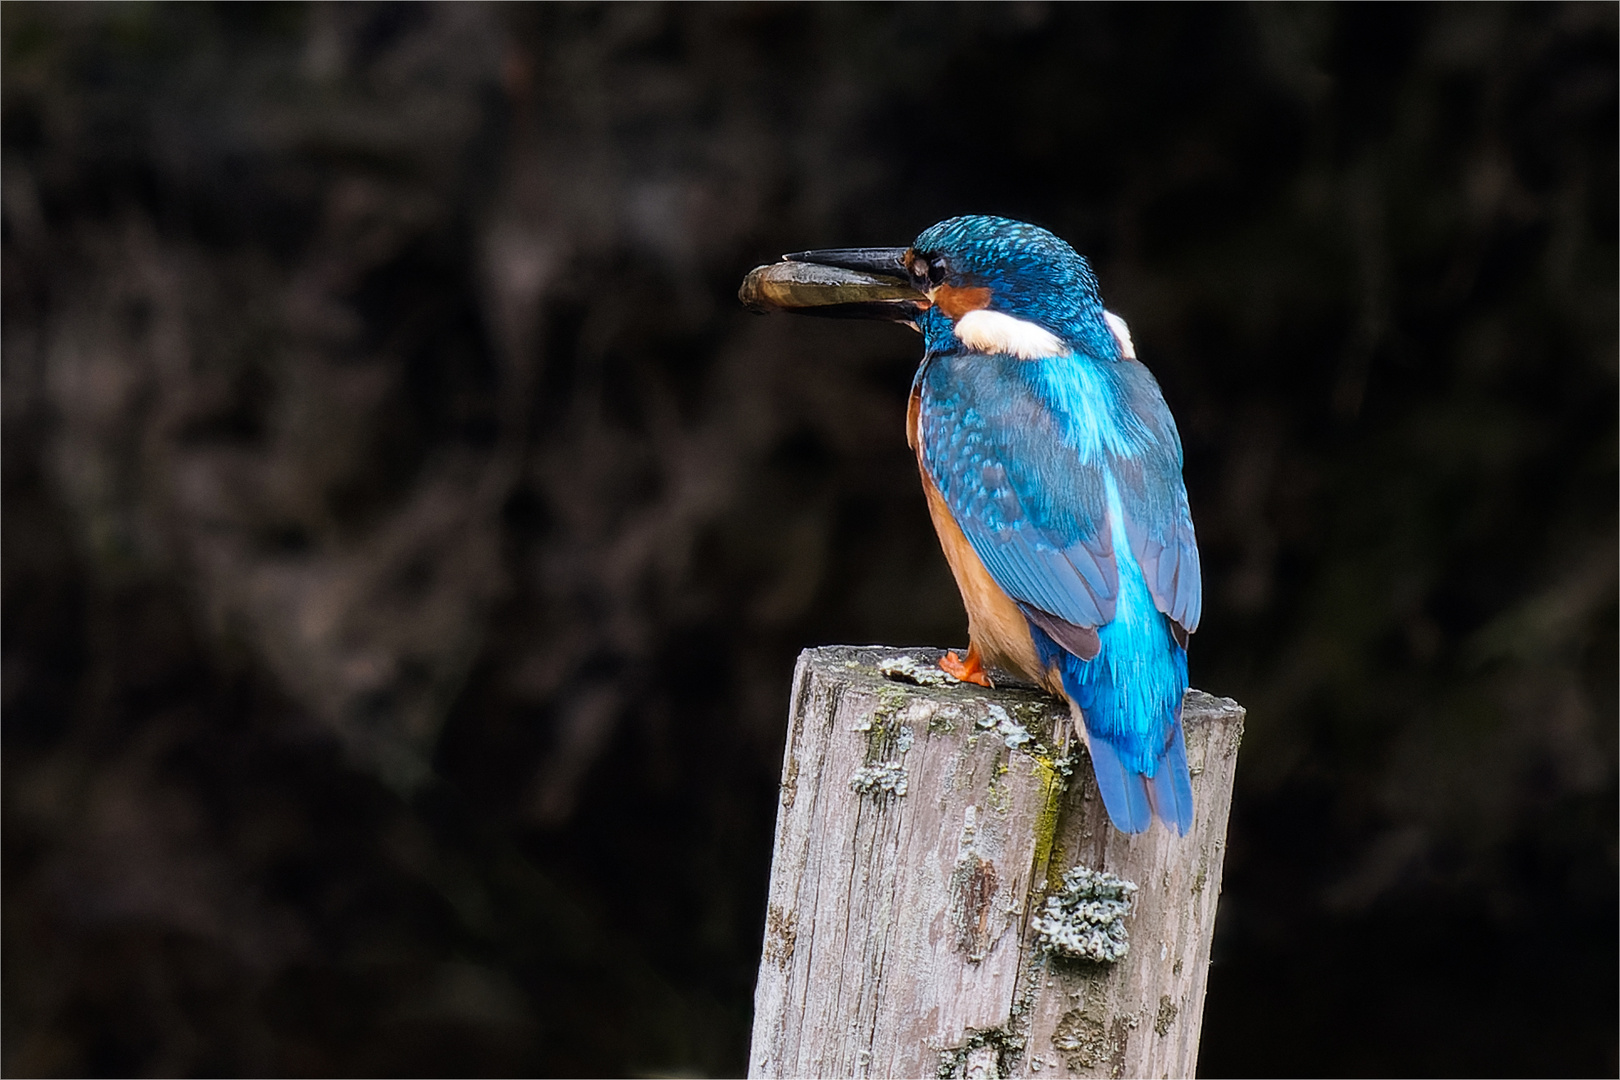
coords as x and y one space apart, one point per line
845 283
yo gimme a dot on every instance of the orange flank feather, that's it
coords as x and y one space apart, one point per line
997 630
998 634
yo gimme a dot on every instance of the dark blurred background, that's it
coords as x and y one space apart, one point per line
408 538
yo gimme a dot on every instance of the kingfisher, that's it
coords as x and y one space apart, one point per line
1052 471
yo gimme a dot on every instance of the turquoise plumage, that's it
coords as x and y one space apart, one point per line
1053 468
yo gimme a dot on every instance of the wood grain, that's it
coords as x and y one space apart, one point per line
897 938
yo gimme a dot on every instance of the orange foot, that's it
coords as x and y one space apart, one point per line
969 670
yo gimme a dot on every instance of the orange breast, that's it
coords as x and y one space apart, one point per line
996 628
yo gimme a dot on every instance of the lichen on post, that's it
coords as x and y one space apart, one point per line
948 899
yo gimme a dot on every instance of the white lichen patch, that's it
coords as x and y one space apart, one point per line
918 672
903 740
1085 920
1014 734
879 778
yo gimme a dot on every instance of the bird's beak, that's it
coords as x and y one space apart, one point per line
846 283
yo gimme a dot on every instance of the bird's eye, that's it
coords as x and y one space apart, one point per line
936 271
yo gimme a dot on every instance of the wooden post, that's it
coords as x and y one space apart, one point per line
922 831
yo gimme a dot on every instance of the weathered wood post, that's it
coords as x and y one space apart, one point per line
919 914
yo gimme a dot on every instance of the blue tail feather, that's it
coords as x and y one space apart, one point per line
1132 715
1124 793
1171 793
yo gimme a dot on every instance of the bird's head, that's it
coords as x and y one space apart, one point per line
986 283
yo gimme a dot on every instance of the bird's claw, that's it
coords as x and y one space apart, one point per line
969 670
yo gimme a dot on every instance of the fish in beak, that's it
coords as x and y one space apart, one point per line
841 283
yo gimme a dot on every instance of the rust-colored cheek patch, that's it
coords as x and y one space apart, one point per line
957 302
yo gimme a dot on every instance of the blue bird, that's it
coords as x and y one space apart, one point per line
1052 470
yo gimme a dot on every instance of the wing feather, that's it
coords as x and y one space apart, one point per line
1034 513
1153 497
1034 506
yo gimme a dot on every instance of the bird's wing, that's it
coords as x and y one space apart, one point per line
1034 512
1154 500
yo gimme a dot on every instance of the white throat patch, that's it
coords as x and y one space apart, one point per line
995 332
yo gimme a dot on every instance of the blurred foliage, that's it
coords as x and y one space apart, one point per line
408 538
